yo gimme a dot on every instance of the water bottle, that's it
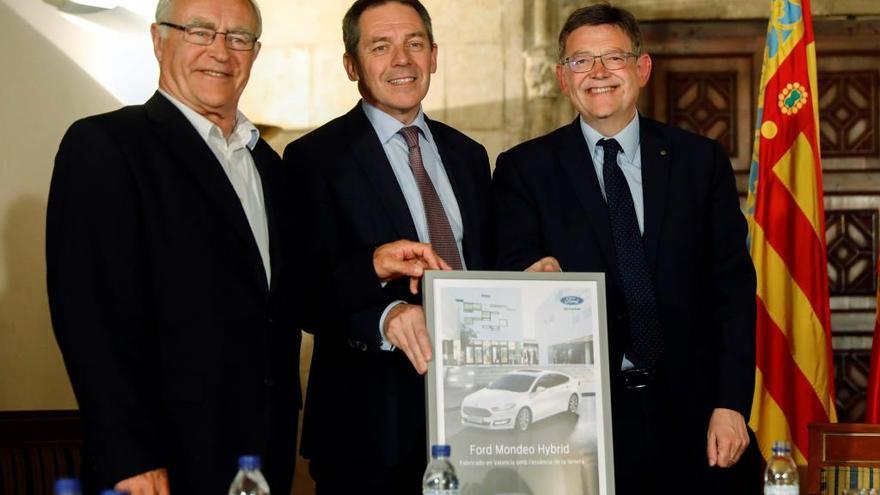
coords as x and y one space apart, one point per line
67 486
781 476
440 478
249 480
112 492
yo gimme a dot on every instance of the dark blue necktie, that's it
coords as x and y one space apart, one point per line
646 341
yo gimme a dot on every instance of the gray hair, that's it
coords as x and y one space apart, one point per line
164 7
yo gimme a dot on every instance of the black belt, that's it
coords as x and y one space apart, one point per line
636 378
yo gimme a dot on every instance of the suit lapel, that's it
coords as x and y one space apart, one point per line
191 152
656 163
574 156
263 158
371 157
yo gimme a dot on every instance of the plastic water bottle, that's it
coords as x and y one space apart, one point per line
249 480
781 476
67 486
440 478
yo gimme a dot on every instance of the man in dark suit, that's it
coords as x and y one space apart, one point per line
168 272
656 209
379 173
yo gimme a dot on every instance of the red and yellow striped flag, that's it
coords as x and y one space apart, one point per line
794 382
872 404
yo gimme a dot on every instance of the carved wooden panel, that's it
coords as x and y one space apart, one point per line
848 60
848 113
851 382
851 236
705 103
709 95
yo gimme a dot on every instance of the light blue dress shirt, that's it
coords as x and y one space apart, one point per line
630 162
397 151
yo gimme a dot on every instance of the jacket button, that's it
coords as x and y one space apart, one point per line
621 316
268 382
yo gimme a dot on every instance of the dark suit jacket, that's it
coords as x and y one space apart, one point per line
548 203
358 395
180 354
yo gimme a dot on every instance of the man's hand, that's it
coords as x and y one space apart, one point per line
153 482
405 258
545 264
405 329
727 438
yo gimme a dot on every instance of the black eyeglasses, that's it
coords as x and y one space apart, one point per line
584 62
204 36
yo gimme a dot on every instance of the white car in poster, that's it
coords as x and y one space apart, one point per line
519 398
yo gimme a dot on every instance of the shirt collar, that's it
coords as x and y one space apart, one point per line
387 127
628 137
244 132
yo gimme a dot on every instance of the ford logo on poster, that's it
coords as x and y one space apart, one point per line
571 300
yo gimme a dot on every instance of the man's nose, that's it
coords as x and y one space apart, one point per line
401 56
218 48
599 69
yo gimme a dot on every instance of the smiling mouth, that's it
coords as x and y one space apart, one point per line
401 81
213 73
602 90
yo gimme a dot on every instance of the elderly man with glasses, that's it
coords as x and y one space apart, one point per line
656 209
169 275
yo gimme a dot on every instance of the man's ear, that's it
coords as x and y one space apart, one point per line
351 67
157 40
644 64
433 67
560 78
256 50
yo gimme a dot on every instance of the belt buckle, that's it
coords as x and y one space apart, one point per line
639 378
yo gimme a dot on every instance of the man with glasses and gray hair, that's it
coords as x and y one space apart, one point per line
169 271
656 209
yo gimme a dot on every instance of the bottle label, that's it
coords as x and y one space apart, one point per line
429 491
781 490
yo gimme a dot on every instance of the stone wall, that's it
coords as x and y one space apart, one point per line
299 83
495 66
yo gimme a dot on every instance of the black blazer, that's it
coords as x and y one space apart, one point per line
180 354
548 203
360 396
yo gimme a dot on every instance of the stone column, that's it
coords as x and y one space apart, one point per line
540 66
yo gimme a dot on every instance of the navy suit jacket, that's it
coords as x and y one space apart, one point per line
359 394
548 203
179 352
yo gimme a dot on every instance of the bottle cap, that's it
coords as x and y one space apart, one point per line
440 451
249 462
782 446
67 485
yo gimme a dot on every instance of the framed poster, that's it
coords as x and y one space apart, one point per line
519 385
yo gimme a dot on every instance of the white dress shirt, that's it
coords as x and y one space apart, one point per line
235 158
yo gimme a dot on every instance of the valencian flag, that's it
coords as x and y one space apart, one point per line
872 407
794 383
